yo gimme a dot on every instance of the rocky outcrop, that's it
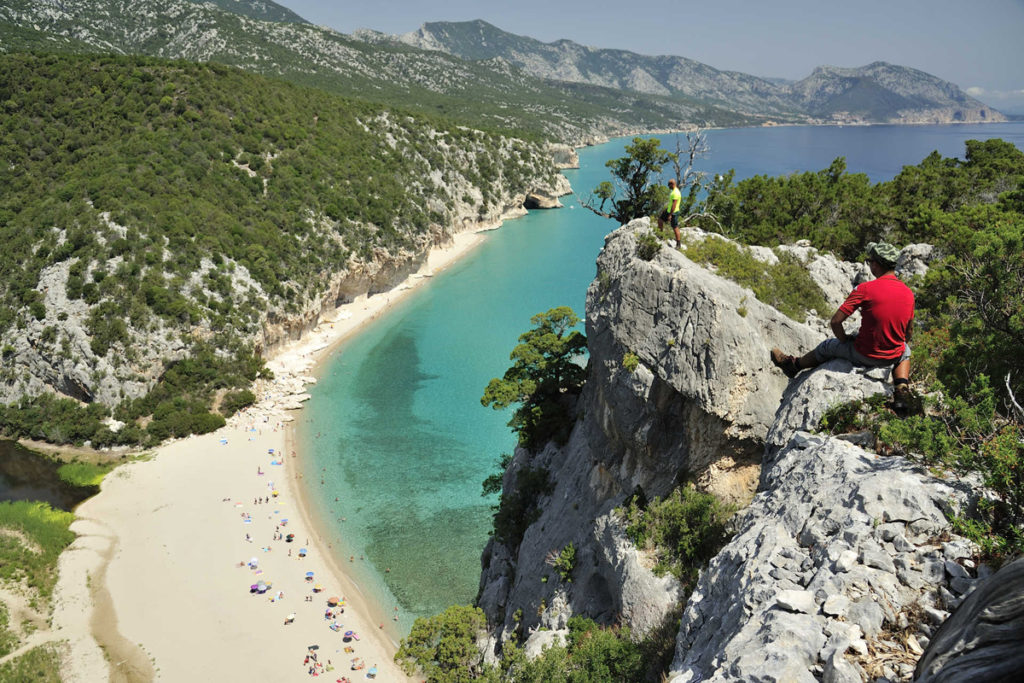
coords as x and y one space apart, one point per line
697 406
838 547
840 554
539 200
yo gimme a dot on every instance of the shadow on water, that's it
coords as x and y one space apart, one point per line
26 475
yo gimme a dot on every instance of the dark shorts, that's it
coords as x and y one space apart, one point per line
833 348
665 215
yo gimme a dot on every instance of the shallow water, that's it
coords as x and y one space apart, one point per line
25 475
395 429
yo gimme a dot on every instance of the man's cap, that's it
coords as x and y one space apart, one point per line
883 252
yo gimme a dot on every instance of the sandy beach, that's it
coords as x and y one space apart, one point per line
157 585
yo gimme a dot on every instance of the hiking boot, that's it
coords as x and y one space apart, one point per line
902 397
788 364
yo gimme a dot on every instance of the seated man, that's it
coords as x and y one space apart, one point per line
887 312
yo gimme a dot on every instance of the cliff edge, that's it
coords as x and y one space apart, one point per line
839 554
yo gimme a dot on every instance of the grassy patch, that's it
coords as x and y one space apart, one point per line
8 640
43 526
84 473
630 361
39 665
785 285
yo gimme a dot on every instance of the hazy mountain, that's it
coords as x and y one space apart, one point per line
878 92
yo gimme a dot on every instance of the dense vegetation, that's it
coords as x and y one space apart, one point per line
148 199
40 665
443 649
684 530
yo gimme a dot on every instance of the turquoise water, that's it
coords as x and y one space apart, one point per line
395 428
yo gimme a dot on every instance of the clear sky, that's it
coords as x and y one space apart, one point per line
977 44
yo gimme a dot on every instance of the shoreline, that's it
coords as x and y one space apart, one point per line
166 540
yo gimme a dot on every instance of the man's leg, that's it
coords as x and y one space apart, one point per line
901 385
791 365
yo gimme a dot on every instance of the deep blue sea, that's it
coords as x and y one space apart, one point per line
395 428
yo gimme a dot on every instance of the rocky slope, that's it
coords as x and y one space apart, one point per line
838 548
877 93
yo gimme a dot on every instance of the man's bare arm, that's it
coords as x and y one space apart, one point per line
837 325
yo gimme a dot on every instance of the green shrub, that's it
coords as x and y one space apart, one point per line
966 434
961 434
786 285
630 361
684 530
443 647
234 401
564 562
647 246
592 654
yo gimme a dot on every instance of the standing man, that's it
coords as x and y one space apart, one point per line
671 211
887 313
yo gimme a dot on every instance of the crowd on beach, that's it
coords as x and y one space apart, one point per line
268 499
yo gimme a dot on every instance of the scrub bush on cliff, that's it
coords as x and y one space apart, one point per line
544 374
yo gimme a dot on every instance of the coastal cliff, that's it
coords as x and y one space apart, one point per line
837 554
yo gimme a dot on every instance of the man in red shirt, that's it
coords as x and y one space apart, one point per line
887 312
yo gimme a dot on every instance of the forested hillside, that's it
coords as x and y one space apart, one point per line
154 209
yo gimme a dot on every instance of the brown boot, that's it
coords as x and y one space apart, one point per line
788 364
902 398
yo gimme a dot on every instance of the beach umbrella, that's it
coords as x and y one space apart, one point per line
333 600
290 537
314 647
309 575
349 634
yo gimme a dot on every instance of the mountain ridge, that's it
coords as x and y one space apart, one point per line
875 93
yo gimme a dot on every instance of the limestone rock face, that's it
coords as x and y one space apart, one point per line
698 403
837 544
539 200
855 531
